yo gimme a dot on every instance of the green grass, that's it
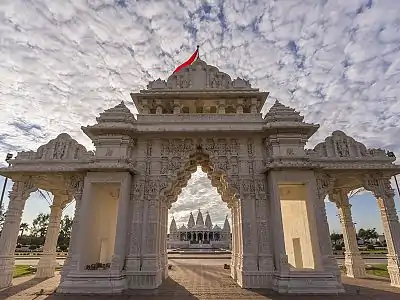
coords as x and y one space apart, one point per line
376 270
22 270
25 270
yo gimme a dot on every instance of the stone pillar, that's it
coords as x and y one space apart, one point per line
71 262
122 227
329 261
48 263
234 240
249 233
151 229
354 263
275 214
384 194
8 240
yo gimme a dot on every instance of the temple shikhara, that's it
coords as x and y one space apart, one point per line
200 234
273 185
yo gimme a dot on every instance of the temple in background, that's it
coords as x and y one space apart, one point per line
201 234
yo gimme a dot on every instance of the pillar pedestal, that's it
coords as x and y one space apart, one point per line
48 263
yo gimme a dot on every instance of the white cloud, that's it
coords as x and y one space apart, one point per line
64 62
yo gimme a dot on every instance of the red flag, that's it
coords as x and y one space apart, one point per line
189 61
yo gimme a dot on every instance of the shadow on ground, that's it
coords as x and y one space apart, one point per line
202 282
15 289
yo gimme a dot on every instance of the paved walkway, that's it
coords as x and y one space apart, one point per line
198 281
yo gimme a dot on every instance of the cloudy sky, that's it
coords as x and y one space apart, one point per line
337 61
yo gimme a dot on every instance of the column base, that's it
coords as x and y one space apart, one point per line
47 266
92 282
307 282
144 280
355 266
6 271
253 279
394 270
329 263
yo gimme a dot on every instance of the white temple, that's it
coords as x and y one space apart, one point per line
201 234
273 185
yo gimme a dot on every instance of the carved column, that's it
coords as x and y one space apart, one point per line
134 260
265 258
8 240
71 262
248 226
329 261
354 263
122 226
234 240
151 230
384 194
48 263
275 214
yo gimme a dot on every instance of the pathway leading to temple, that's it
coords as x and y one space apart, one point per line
192 279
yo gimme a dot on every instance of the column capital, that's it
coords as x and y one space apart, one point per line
22 189
340 198
379 184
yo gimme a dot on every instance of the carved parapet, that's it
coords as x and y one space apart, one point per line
343 147
63 147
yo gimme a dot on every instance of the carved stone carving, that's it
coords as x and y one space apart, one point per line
61 148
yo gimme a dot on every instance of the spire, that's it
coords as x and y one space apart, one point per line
172 227
199 221
227 227
191 221
281 113
208 222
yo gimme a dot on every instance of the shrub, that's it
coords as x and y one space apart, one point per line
338 247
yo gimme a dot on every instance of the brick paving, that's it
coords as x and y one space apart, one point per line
196 281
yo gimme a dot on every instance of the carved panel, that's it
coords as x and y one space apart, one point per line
63 147
339 145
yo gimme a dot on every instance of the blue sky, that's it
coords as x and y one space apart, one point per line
335 61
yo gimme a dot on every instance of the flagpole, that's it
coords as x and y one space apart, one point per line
198 52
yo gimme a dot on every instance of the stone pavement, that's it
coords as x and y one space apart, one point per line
198 281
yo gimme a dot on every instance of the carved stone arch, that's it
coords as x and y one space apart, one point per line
178 180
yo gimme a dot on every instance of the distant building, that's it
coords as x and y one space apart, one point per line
200 234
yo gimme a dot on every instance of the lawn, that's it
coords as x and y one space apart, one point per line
23 270
376 270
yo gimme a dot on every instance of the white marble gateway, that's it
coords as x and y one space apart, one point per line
274 187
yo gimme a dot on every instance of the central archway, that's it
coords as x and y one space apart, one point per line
218 179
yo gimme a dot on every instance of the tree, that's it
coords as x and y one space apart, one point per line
39 225
367 234
336 237
65 232
22 228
